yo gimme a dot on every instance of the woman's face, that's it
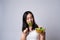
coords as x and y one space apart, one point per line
29 18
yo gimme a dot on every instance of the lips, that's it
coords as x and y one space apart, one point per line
40 30
30 23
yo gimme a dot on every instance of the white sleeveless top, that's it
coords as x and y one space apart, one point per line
33 35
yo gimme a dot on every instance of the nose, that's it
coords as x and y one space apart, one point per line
30 20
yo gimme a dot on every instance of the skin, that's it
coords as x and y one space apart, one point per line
41 36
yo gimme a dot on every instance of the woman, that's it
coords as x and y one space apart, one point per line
29 32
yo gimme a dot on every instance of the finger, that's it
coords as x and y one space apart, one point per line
25 31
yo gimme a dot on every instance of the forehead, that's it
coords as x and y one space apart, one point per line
29 15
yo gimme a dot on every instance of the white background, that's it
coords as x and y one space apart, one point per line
46 13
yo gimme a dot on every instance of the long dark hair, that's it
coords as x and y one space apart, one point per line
25 25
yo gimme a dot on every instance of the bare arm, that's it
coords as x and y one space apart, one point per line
24 34
42 36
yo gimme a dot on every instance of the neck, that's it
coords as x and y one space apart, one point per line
30 28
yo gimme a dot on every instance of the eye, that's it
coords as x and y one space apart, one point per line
31 18
27 18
